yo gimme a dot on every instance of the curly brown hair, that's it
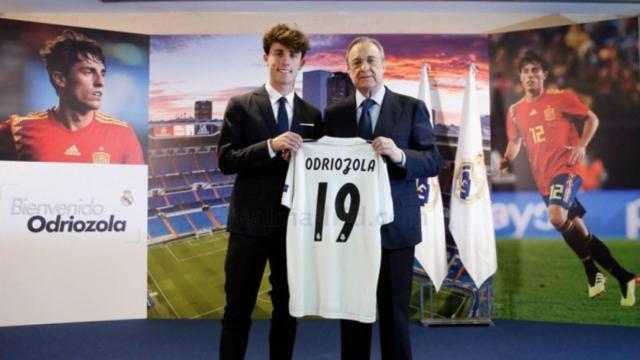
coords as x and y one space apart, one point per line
292 38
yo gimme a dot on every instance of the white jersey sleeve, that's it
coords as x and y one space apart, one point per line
287 191
339 195
386 202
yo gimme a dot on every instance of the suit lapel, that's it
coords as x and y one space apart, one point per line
297 115
389 111
264 105
350 122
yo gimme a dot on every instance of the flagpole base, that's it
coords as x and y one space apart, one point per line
456 303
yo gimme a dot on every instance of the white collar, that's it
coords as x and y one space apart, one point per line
274 95
377 97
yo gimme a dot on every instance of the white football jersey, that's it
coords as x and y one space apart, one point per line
339 195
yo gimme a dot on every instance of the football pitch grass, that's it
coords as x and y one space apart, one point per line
544 281
536 280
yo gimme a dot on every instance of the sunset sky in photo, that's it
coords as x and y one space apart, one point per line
185 69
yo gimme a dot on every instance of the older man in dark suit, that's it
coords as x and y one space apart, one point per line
260 131
400 129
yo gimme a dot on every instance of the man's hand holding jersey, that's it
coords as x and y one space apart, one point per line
286 143
385 146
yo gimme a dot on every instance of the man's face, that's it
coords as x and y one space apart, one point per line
82 88
366 68
532 77
283 66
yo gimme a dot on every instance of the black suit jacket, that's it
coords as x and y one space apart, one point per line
248 124
406 121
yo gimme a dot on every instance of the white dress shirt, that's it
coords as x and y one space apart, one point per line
374 111
274 96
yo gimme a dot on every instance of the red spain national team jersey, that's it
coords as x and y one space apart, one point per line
38 137
547 132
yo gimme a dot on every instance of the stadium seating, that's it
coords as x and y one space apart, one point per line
198 178
216 202
221 213
157 228
218 177
155 183
185 198
182 184
207 161
206 194
175 182
224 191
200 220
185 163
161 165
181 225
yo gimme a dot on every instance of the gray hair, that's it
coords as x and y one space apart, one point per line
364 39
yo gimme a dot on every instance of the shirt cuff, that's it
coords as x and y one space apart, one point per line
403 162
272 153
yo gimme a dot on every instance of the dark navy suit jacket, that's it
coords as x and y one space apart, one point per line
406 121
255 207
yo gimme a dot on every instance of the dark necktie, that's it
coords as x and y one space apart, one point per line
283 119
365 128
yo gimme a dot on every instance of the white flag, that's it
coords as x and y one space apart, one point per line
471 221
432 251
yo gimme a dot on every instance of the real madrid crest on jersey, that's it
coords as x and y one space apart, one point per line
101 157
469 179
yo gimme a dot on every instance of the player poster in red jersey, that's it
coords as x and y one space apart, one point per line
564 131
73 239
72 95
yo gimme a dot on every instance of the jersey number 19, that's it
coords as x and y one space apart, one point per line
347 215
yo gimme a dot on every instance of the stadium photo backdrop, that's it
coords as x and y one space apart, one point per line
193 77
540 278
25 82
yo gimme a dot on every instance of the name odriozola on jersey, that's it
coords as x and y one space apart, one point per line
339 195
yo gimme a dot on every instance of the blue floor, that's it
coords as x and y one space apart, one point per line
316 339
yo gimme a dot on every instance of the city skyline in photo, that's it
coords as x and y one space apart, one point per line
186 69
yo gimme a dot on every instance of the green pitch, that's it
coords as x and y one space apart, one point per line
186 279
542 280
536 280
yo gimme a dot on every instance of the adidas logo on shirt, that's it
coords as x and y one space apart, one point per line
533 112
72 151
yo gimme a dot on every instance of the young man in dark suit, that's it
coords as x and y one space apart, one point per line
400 130
260 130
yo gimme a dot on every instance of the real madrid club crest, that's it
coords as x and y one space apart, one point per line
469 179
127 198
427 189
101 157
